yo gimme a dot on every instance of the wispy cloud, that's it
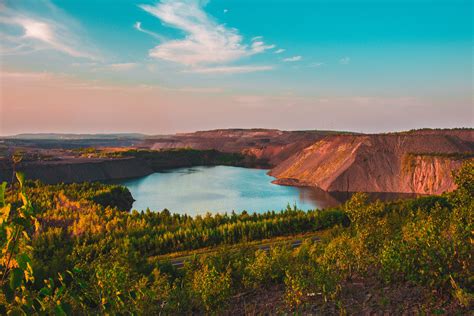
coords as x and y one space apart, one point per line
344 60
279 51
230 69
260 47
138 27
206 41
40 33
292 59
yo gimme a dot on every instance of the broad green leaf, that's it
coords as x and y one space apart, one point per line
23 261
67 308
46 291
59 311
7 291
3 187
16 276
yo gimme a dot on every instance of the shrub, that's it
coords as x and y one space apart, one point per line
118 197
344 255
295 288
212 287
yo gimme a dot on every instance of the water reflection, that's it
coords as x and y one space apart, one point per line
221 189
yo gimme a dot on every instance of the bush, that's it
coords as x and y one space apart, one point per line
212 288
118 197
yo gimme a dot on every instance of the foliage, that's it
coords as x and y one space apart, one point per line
212 287
116 197
435 248
119 259
17 224
186 157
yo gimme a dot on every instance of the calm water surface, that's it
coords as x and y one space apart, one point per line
221 189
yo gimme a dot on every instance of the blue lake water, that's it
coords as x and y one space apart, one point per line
197 190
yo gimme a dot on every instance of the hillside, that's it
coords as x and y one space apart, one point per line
89 256
377 163
420 161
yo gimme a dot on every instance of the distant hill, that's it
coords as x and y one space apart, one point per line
59 136
417 161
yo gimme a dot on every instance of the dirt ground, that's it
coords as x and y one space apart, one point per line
360 296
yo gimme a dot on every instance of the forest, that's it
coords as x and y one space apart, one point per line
77 249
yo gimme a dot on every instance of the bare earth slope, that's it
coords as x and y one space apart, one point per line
416 163
269 144
412 162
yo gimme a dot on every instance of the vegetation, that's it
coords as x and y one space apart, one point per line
184 157
98 259
454 156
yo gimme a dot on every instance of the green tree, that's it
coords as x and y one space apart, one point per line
212 287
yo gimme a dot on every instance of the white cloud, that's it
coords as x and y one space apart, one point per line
225 11
279 51
138 27
206 41
292 59
39 33
230 69
259 46
344 60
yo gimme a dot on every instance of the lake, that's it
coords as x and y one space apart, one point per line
197 190
219 189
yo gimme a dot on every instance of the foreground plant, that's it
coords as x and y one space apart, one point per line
17 224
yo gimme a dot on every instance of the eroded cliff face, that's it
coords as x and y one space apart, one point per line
378 163
429 174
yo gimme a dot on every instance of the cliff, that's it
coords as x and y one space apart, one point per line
428 173
408 163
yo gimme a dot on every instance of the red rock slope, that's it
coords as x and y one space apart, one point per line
404 162
416 161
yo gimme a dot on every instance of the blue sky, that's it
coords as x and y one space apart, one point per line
361 65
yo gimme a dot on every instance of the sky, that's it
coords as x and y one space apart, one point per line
159 67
